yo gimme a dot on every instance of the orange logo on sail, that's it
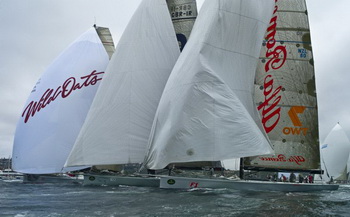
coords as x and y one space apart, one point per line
293 115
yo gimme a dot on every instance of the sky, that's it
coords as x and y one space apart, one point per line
34 32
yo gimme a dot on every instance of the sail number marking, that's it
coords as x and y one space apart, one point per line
194 185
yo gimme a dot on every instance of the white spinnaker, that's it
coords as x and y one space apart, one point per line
57 107
118 125
231 164
207 111
335 152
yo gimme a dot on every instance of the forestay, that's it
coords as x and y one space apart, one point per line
57 107
285 91
207 112
118 125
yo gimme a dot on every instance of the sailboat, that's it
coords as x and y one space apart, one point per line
57 107
207 108
117 127
335 152
8 175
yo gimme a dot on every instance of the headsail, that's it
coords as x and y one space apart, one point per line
285 91
118 125
207 112
335 153
57 107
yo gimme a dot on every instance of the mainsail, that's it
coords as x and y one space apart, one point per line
335 153
118 124
57 106
285 91
183 14
106 39
207 112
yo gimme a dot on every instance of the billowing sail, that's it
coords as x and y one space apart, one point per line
118 125
183 14
57 107
207 112
335 153
285 91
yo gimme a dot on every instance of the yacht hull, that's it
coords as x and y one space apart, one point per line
170 182
115 180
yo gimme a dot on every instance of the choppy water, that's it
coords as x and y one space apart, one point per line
17 199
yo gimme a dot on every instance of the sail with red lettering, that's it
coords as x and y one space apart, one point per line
118 125
58 104
285 91
207 111
335 152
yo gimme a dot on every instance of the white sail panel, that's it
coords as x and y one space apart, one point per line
285 91
118 125
207 112
231 164
57 107
335 153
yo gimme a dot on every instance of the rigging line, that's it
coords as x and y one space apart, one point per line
287 106
294 59
298 29
284 41
324 163
292 11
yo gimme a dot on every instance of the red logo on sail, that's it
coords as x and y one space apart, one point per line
276 56
282 158
64 91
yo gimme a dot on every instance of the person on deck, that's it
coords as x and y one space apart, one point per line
311 179
301 178
283 178
292 177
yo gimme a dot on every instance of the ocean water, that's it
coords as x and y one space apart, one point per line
35 200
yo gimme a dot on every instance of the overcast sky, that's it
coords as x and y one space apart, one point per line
34 32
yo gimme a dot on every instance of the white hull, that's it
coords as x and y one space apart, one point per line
42 179
171 182
115 180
